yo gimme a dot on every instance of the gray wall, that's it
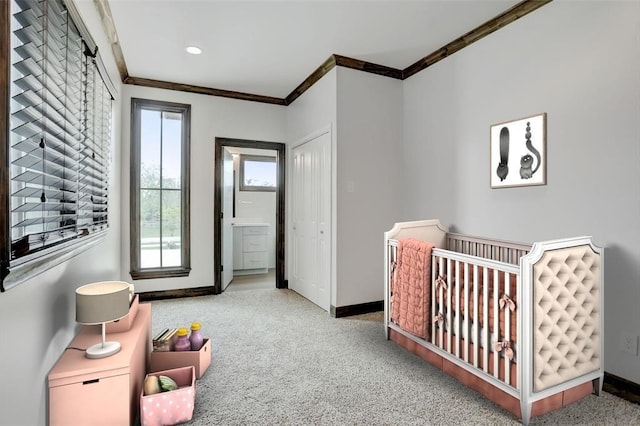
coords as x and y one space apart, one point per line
314 111
364 113
369 189
37 318
580 63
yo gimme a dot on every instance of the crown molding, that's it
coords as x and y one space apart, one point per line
369 67
147 82
319 72
514 13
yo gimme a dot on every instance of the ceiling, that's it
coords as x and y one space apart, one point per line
268 48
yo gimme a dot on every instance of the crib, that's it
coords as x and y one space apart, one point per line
521 324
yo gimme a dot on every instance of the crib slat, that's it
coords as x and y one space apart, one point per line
496 322
476 340
485 315
507 328
449 310
518 332
435 270
465 323
441 305
456 326
391 260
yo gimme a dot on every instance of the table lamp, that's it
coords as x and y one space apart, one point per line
100 303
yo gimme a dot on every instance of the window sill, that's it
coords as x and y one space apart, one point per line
25 269
148 274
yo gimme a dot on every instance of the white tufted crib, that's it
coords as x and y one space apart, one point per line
521 324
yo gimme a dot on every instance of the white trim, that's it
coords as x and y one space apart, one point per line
23 272
327 129
311 136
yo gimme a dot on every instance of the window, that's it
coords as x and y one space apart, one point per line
257 173
57 145
159 189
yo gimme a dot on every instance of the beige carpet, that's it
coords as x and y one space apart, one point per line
253 282
280 360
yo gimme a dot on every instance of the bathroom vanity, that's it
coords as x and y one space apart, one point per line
250 248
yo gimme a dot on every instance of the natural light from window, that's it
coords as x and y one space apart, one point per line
160 186
257 173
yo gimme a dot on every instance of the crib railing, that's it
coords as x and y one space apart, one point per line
465 291
502 251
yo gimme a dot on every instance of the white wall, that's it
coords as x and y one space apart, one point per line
37 318
314 111
580 63
211 117
369 186
364 113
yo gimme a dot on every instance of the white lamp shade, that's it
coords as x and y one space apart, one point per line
102 302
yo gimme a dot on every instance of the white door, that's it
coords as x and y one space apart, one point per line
311 220
227 219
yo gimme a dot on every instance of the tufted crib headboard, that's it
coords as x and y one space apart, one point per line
566 321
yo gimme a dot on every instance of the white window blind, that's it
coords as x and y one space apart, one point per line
60 132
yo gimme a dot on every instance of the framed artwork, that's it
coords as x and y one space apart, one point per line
518 152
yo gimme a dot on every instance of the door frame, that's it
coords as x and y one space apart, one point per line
280 149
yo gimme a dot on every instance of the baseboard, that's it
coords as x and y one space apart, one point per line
149 296
622 388
362 308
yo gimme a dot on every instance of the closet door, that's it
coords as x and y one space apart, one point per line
311 220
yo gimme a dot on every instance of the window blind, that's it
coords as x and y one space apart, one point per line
60 132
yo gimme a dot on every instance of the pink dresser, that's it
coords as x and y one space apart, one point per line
105 391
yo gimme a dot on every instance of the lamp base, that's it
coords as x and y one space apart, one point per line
102 350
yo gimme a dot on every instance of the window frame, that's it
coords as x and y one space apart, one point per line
255 188
136 271
16 269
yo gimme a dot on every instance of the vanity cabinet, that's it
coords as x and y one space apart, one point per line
250 248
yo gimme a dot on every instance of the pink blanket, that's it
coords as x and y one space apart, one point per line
411 287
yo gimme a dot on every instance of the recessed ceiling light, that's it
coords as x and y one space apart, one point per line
194 50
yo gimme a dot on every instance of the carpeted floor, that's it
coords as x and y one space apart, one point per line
280 360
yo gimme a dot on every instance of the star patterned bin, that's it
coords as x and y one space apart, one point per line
171 407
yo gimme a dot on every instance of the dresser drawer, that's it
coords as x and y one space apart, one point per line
251 243
256 230
255 260
83 403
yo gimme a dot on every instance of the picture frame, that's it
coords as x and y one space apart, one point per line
518 152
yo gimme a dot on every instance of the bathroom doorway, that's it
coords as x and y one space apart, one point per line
248 214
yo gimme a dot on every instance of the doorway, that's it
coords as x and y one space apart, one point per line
222 227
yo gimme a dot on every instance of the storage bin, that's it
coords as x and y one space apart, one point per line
124 323
200 360
172 407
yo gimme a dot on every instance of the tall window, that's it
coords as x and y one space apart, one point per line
57 147
159 189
